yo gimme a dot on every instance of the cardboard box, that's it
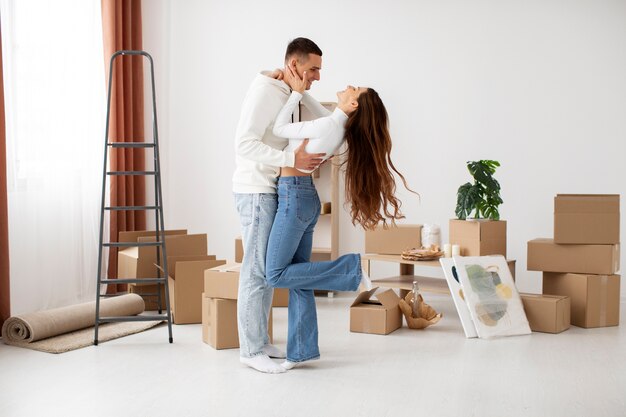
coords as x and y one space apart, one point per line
138 262
586 219
222 281
479 238
238 250
185 285
181 245
594 298
148 293
547 313
219 323
545 255
380 316
394 240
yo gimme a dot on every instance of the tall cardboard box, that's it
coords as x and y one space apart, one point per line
138 262
148 293
185 285
594 298
545 255
394 240
586 219
547 313
479 238
219 323
379 316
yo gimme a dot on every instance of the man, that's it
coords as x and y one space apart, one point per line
259 156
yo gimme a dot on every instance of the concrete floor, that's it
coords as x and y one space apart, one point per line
436 372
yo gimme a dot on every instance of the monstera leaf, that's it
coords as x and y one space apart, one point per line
467 197
482 197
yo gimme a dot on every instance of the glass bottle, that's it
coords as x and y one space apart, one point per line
416 301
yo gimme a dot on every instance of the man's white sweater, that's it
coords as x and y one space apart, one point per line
260 153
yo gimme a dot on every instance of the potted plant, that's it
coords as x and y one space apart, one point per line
479 201
482 197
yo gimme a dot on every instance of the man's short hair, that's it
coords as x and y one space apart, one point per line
302 47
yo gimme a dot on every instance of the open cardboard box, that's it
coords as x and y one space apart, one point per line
379 316
393 240
547 313
185 280
148 293
138 262
586 219
181 245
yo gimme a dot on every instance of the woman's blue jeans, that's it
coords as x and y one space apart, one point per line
287 264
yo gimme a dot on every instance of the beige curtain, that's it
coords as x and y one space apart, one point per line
121 21
5 289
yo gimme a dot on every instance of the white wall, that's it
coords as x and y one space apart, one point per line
538 85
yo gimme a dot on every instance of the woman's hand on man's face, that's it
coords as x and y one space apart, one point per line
294 80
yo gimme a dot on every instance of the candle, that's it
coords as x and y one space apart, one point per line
456 250
447 250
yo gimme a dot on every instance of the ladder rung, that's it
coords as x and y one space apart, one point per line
133 281
131 244
130 145
132 318
131 172
128 208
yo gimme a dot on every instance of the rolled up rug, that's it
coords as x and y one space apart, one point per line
30 327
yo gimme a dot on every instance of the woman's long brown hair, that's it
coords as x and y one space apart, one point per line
370 184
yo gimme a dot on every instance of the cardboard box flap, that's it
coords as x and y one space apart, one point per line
586 203
178 245
363 297
132 252
228 267
389 299
173 260
544 297
196 268
135 235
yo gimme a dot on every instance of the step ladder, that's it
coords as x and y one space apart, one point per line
159 244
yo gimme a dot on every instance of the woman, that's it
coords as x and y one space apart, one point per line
361 120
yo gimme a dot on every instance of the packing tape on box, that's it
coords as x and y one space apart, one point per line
604 283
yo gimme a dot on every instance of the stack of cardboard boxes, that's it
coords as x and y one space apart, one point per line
582 260
186 261
219 307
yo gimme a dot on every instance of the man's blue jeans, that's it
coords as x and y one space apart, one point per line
287 266
256 213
